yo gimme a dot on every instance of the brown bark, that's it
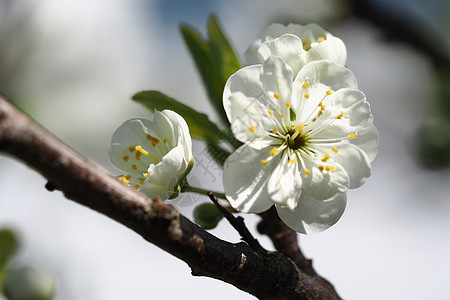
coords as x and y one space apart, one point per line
267 275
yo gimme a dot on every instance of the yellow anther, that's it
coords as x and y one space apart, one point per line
314 119
134 167
322 107
124 180
252 128
138 155
281 116
165 140
326 157
292 160
274 151
307 172
328 168
141 181
305 85
274 130
306 45
128 177
288 105
131 149
321 39
270 112
276 96
141 150
320 168
145 175
126 158
320 113
264 162
136 187
335 149
340 116
329 92
307 96
352 135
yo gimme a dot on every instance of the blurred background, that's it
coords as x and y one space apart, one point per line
74 65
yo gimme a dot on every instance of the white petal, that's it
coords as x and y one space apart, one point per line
288 47
245 179
130 134
180 128
250 120
323 185
355 162
163 176
285 184
351 107
273 31
277 78
368 140
332 48
313 216
251 54
327 75
246 81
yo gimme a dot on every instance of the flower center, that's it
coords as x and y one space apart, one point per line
295 139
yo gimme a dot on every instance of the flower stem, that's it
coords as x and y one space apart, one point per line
186 188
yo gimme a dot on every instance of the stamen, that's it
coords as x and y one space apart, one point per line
141 181
145 175
335 149
136 187
165 140
326 157
307 96
131 149
128 177
139 148
274 130
124 179
126 158
297 131
276 96
153 140
321 39
274 151
138 155
270 112
307 172
264 162
134 167
340 116
292 160
252 128
352 135
320 168
305 85
288 105
329 92
281 116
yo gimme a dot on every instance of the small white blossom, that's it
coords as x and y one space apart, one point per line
297 45
307 140
154 154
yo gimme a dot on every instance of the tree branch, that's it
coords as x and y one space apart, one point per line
267 275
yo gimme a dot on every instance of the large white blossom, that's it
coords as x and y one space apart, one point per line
297 45
154 154
307 140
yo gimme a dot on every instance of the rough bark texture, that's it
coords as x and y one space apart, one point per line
267 275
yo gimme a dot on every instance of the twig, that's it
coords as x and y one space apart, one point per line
267 275
238 224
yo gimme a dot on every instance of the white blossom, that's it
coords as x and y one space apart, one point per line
154 154
297 45
307 140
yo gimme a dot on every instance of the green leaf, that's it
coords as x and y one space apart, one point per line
214 58
207 215
199 124
8 247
